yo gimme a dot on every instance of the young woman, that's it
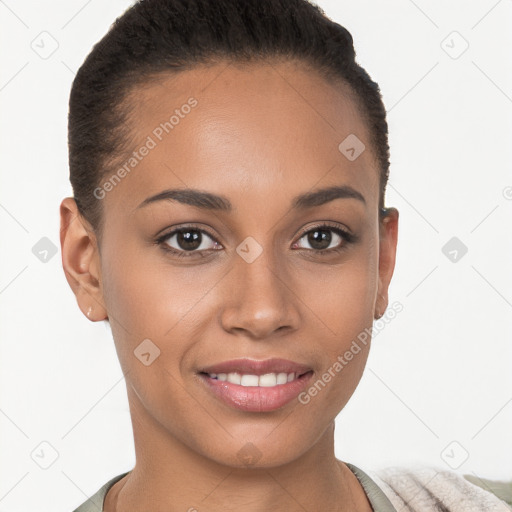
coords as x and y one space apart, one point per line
229 161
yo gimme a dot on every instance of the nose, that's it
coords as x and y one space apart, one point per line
260 299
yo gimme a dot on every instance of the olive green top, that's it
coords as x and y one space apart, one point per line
376 496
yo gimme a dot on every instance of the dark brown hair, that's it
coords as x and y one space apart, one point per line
165 36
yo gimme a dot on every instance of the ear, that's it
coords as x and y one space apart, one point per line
81 260
387 255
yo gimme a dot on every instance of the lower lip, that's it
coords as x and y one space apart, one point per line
255 398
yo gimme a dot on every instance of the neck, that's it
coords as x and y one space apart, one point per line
169 476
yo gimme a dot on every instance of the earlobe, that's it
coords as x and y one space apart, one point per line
380 308
387 258
80 260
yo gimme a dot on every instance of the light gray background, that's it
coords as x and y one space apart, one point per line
437 386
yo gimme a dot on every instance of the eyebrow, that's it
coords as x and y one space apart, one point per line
209 201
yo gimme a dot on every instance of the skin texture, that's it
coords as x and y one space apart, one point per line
260 134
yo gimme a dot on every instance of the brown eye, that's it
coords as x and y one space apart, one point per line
188 240
320 238
325 238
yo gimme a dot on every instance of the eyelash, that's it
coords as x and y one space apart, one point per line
349 238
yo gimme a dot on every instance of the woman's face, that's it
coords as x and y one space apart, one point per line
251 275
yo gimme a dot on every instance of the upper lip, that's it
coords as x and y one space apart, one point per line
257 367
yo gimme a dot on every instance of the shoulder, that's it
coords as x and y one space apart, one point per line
500 488
432 489
95 502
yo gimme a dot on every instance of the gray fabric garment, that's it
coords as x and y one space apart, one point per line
392 490
430 489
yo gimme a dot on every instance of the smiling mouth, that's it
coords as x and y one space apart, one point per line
267 380
263 393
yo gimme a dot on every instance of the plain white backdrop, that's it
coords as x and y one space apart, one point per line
437 388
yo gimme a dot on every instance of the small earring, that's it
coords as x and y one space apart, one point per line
379 315
89 311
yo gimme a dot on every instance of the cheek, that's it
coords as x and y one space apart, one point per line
154 310
145 294
340 303
146 300
341 299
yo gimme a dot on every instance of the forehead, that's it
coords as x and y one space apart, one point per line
242 129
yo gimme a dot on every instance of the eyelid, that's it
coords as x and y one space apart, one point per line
327 224
167 234
341 230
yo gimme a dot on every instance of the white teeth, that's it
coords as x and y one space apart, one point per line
282 378
268 380
234 378
249 380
